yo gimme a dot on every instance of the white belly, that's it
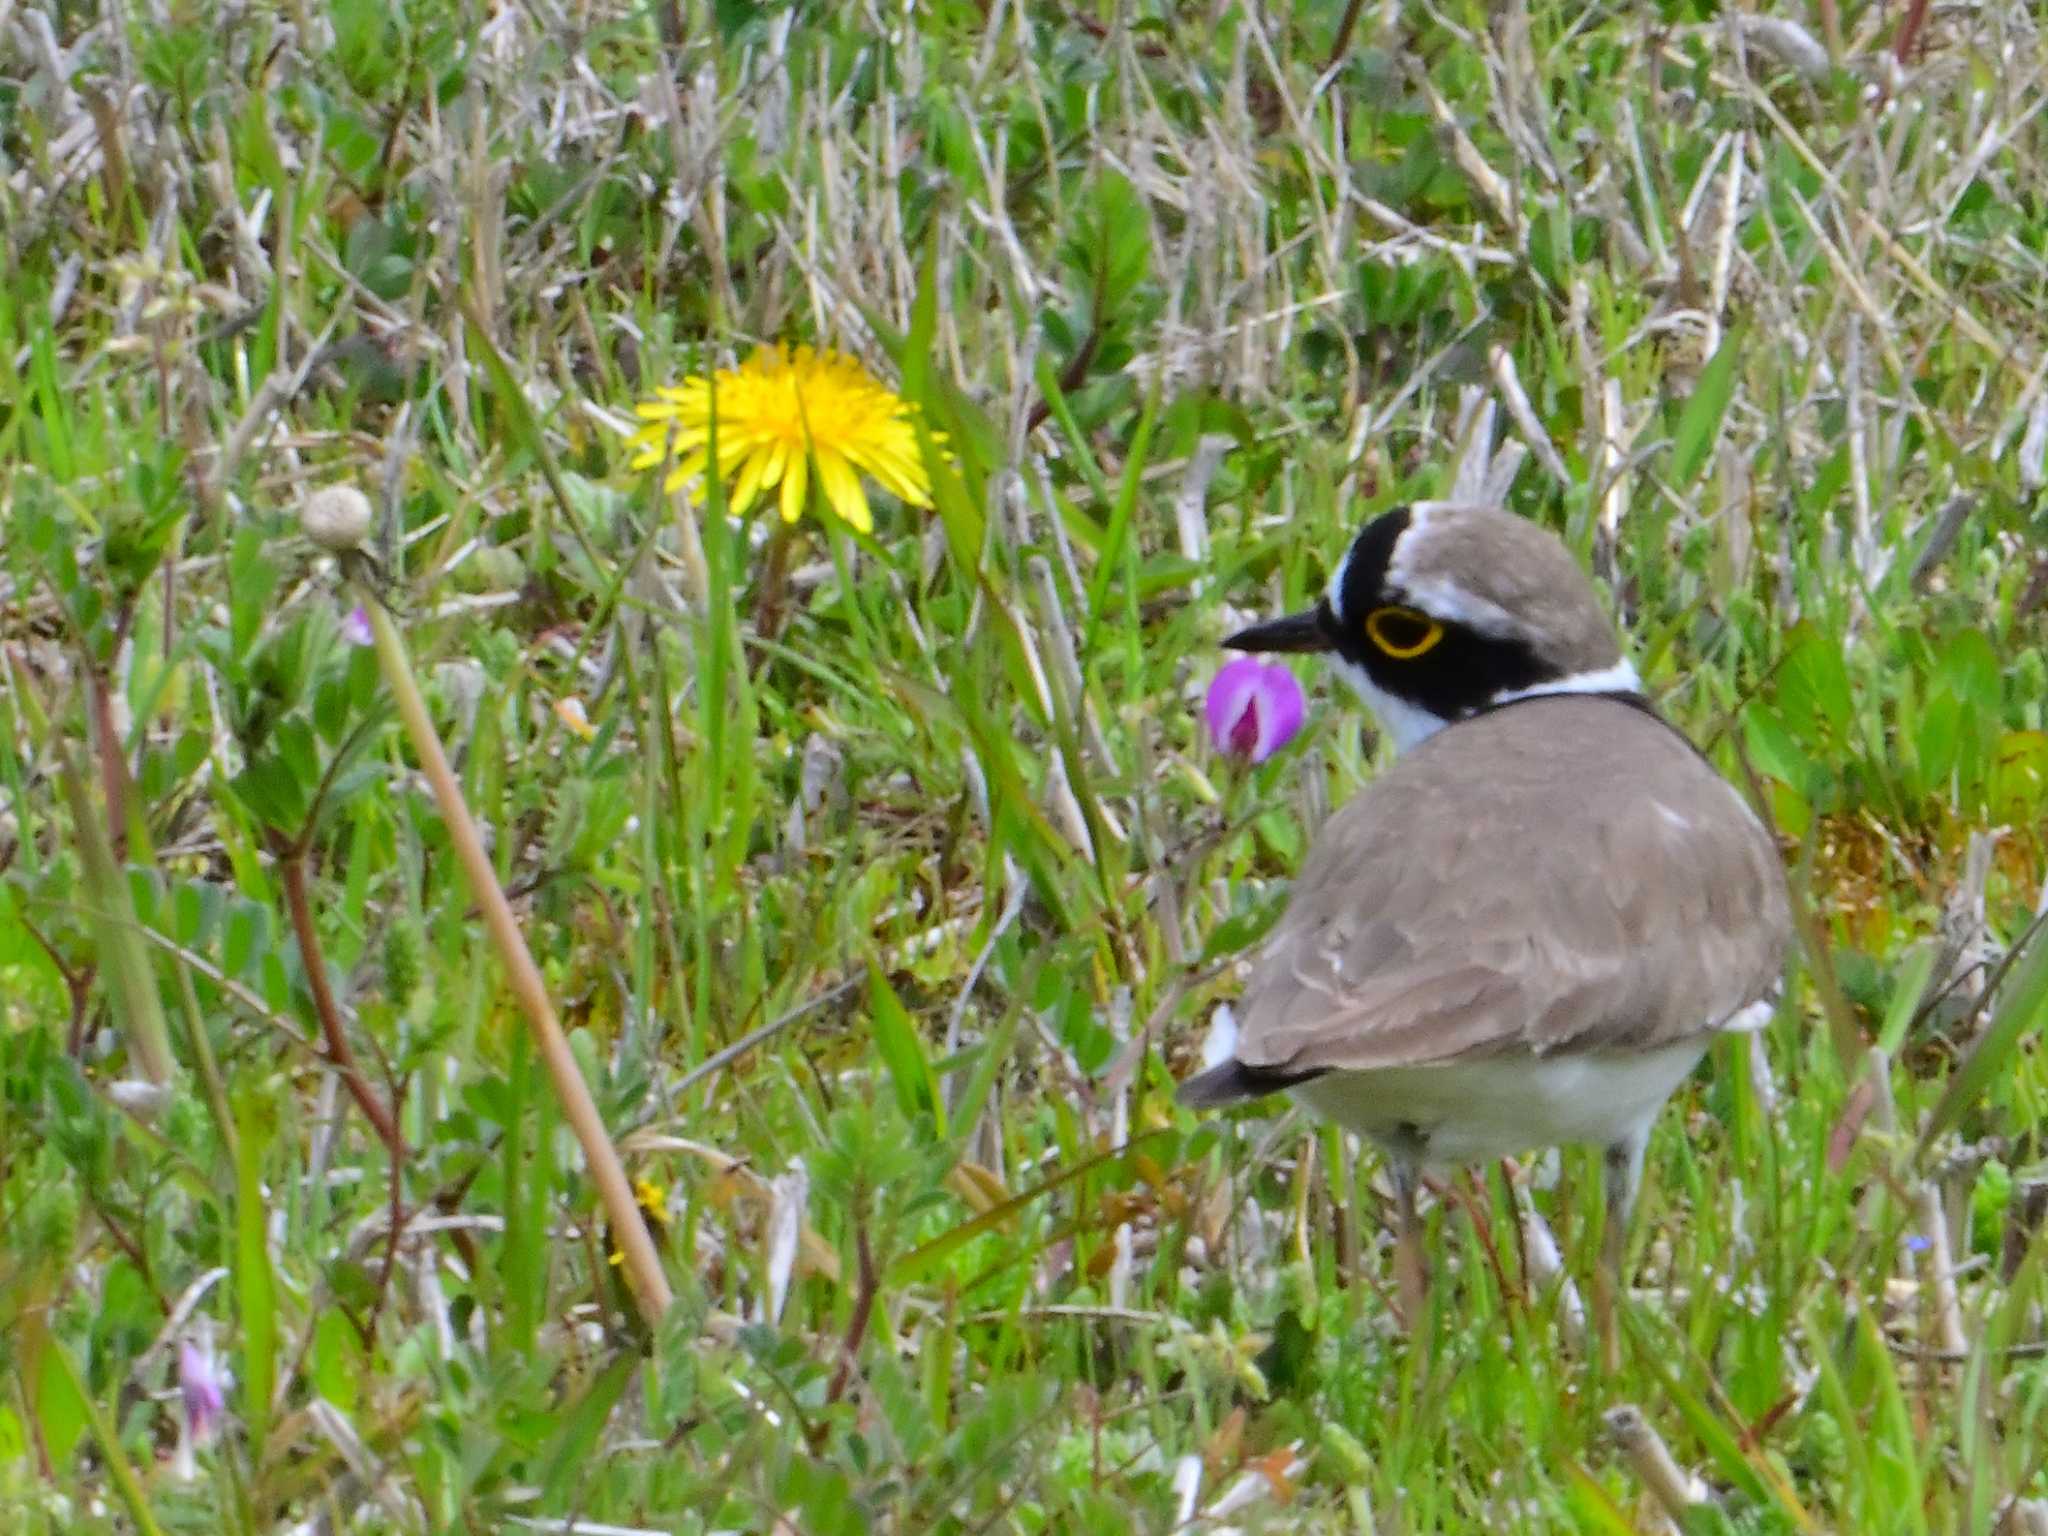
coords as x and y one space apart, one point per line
1476 1111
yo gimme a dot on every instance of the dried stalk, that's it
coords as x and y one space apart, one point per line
1649 1458
641 1263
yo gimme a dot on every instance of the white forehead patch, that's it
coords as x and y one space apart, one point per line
1444 599
1439 596
1335 597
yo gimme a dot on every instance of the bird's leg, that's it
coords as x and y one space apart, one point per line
1411 1274
1623 1175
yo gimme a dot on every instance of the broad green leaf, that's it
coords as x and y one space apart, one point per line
1813 687
1937 742
1969 669
902 1052
1699 424
2019 777
990 1056
106 1433
569 1458
2021 1009
60 1404
339 1365
255 1285
1907 988
1239 932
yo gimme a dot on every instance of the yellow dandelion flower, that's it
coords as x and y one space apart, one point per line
652 1199
785 415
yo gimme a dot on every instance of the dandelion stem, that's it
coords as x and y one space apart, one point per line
771 602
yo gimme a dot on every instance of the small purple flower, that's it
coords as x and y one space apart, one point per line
1254 708
203 1389
355 628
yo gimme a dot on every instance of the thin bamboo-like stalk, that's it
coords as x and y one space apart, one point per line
640 1261
1674 1489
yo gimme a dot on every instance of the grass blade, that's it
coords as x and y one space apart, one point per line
1699 424
255 1284
2022 1006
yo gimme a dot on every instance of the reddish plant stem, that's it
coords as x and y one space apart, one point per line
398 1218
1342 44
857 1325
1072 377
1909 31
340 1054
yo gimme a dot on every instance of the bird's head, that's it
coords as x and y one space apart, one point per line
1441 610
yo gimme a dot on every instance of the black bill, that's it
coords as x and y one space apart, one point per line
1297 632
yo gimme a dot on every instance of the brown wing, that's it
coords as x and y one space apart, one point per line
1564 874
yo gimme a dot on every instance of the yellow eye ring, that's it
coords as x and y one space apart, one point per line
1403 633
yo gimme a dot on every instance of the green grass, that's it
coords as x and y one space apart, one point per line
438 253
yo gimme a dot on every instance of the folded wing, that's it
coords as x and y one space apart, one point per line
1566 874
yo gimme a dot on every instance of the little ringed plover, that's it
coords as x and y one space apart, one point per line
1526 931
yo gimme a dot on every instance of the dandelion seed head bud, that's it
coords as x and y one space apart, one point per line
336 517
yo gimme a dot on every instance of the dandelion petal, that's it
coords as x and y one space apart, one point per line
788 418
795 481
842 490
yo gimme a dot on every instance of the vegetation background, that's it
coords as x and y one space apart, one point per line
887 883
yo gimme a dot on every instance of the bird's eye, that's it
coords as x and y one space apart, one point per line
1402 633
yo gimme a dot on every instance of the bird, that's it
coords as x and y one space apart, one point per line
1526 930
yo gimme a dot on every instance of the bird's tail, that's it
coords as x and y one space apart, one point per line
1233 1082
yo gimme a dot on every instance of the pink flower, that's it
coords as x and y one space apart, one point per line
355 627
1255 708
202 1385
